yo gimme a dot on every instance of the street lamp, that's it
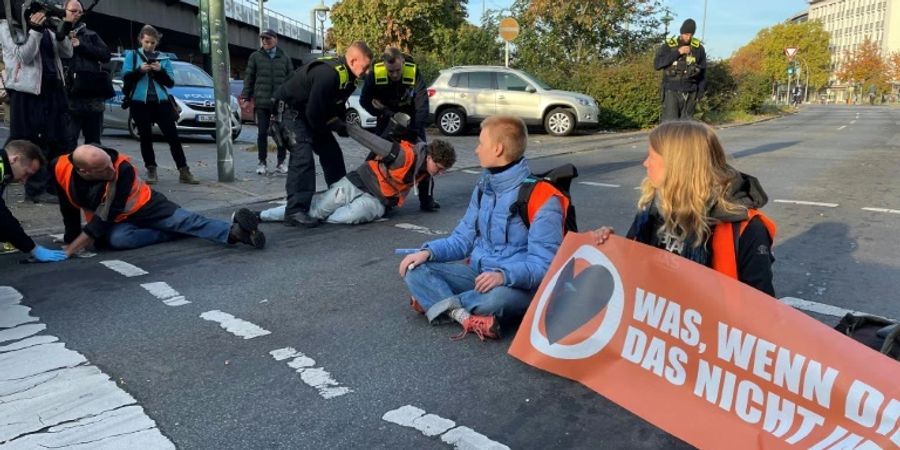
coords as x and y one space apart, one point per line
320 12
262 15
667 19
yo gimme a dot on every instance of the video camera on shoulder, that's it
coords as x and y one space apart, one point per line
19 15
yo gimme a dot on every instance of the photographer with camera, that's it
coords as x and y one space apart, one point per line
148 76
88 84
35 82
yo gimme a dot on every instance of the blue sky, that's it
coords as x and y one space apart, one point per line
729 23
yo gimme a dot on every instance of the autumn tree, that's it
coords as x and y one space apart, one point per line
407 24
865 66
764 54
894 66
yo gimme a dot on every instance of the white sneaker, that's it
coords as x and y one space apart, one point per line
281 168
261 169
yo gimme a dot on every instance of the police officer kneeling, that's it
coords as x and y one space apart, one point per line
683 62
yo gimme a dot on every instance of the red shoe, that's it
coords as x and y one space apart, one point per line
414 304
485 327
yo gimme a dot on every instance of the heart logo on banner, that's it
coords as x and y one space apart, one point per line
576 299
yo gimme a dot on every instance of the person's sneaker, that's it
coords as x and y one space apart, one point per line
301 218
185 176
245 229
485 327
415 306
281 168
261 168
152 176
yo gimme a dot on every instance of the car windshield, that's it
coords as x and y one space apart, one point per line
540 82
191 76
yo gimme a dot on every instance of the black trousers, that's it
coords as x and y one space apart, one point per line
263 118
41 120
162 114
87 123
426 186
303 142
678 105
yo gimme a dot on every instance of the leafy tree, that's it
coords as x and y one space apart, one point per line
407 24
894 66
764 54
865 66
465 45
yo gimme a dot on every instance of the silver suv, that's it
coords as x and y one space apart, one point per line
466 95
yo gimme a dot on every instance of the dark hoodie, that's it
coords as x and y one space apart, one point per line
754 256
10 228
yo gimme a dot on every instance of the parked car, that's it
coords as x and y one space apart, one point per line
193 92
357 114
247 112
465 95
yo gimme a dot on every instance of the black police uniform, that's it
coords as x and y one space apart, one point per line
684 77
312 97
408 95
10 229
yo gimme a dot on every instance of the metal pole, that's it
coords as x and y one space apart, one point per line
262 15
703 30
218 41
507 53
312 21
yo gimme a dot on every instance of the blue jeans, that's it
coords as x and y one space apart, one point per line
181 223
432 283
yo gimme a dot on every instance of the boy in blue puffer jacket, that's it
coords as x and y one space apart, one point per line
505 260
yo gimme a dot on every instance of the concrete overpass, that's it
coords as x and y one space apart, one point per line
119 21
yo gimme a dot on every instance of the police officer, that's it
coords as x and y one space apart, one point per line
311 105
683 62
19 161
396 85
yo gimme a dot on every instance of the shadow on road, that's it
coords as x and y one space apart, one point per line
765 148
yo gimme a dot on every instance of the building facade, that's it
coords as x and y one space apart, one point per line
850 22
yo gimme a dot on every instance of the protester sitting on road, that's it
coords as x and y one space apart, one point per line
505 259
151 75
380 183
694 204
122 212
18 161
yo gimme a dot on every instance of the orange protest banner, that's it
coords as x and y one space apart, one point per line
703 356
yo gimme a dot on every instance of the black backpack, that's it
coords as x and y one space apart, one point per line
875 332
538 188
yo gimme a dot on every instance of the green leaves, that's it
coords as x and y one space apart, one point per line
407 24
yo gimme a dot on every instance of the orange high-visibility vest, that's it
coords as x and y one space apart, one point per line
724 242
137 198
395 183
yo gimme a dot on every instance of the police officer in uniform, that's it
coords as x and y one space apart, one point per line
395 85
683 62
311 105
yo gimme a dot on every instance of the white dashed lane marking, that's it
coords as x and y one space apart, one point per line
842 127
419 229
883 210
806 203
315 377
594 183
470 171
52 397
124 268
820 308
238 327
431 425
164 292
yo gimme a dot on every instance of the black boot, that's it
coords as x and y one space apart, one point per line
245 229
301 218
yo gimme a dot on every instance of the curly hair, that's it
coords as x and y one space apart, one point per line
697 178
442 152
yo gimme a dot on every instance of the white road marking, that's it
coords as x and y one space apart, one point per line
806 203
853 121
471 172
315 377
419 229
124 268
594 183
52 397
238 327
164 292
883 210
842 127
432 425
820 308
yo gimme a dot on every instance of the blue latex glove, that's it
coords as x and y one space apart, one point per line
44 254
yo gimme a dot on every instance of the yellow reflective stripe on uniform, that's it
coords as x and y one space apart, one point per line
2 170
695 42
343 74
671 42
381 73
409 73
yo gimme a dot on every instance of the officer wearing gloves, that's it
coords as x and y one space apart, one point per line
18 161
683 62
311 105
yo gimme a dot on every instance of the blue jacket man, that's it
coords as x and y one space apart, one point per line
506 260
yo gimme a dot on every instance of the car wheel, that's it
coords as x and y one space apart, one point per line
352 117
452 121
236 129
132 128
560 122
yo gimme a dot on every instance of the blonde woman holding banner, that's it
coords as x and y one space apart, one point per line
695 205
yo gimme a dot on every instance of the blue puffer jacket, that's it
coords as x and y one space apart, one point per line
140 89
502 242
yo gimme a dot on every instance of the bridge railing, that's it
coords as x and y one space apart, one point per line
247 11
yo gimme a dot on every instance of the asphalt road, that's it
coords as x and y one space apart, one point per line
333 294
